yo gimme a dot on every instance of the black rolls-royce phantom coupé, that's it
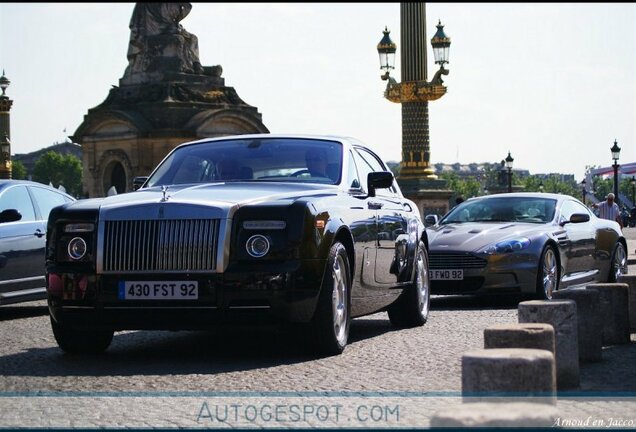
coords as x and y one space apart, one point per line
310 231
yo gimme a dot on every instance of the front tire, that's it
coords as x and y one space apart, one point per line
547 273
75 341
412 307
618 264
332 318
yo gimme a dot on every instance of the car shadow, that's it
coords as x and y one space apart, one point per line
8 312
468 302
225 349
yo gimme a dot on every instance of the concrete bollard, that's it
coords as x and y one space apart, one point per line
561 314
614 312
526 335
630 280
484 414
509 373
590 328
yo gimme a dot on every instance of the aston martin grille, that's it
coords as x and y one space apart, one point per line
160 245
455 261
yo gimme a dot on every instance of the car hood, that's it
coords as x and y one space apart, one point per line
210 200
471 237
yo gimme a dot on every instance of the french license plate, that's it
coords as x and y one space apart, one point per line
447 274
158 290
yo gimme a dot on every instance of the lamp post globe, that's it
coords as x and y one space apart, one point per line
386 51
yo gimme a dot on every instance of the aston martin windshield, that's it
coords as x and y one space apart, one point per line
261 159
503 209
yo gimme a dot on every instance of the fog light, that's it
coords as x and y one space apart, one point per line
76 248
257 246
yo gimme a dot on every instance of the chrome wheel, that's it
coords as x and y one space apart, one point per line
549 272
339 300
619 262
422 285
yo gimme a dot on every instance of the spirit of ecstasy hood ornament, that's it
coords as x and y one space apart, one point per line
164 190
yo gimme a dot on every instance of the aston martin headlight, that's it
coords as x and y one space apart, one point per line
257 246
77 248
508 246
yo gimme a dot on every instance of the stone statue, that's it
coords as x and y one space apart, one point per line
158 43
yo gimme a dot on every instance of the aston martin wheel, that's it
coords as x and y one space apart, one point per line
333 315
74 341
618 263
547 273
412 307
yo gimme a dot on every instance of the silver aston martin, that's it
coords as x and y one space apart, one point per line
528 243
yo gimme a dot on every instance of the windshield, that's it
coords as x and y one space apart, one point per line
503 209
259 159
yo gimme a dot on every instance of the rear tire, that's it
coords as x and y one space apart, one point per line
547 273
75 341
618 264
332 318
412 307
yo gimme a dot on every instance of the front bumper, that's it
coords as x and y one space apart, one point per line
510 273
286 292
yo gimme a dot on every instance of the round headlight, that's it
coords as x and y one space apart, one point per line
76 248
257 246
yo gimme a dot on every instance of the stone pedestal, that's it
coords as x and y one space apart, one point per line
527 335
630 280
561 314
512 373
614 312
430 196
496 415
590 328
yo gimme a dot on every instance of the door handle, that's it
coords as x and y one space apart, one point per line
375 205
38 233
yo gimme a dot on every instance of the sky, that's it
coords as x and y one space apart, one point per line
553 83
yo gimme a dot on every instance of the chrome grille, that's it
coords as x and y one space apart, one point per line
160 245
455 261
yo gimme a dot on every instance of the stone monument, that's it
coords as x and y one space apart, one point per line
165 97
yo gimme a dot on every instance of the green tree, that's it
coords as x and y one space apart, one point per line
18 170
58 169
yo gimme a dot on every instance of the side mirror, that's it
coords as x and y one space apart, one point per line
430 220
139 181
577 218
10 215
379 180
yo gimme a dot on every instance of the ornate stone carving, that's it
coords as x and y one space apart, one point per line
159 44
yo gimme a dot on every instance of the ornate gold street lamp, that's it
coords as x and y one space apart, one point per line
414 91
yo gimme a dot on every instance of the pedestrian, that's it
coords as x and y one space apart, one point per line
609 210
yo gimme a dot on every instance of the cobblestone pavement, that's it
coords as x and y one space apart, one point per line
258 377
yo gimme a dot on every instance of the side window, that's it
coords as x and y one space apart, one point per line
567 210
375 164
46 200
363 169
18 198
353 180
